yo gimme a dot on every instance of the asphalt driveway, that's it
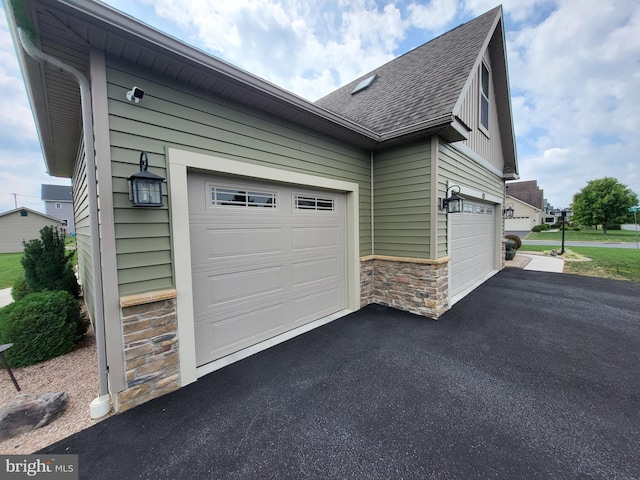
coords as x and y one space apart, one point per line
533 375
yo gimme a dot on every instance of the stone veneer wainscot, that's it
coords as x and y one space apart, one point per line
150 335
416 285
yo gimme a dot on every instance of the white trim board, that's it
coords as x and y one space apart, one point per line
179 161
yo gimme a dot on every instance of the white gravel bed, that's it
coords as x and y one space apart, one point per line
75 373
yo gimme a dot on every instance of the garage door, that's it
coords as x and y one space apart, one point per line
266 258
473 245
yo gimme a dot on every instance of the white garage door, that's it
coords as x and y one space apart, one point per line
473 245
266 258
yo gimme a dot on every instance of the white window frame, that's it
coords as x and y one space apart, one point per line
215 189
58 205
319 203
482 96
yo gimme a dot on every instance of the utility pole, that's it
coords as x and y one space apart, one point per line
15 199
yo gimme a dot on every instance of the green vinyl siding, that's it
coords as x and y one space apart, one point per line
83 230
174 116
457 169
402 180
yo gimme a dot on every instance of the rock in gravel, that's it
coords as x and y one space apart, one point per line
27 412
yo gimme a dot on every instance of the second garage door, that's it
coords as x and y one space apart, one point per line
266 258
473 245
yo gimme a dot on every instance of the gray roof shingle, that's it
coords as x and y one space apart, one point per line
59 193
418 86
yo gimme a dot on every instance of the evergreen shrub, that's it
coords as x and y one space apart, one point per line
47 264
20 289
41 326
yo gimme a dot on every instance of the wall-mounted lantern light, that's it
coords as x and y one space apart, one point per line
453 203
508 211
145 188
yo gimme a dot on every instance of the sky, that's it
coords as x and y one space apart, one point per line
574 69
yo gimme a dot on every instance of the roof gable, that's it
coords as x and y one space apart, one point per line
423 84
33 212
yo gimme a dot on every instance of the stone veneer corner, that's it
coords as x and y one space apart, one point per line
419 286
150 341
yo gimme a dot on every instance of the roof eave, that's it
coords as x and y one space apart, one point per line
110 20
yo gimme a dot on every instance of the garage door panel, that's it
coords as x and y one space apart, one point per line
210 291
259 272
315 270
305 238
216 338
247 284
307 307
243 241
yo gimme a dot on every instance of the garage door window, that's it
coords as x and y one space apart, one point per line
468 208
242 198
314 203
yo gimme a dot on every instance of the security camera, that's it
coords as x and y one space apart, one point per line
135 94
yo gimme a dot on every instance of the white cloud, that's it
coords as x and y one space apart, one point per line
572 75
433 16
16 121
307 47
22 173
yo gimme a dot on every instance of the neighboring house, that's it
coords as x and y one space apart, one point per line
278 214
58 203
21 225
525 216
527 191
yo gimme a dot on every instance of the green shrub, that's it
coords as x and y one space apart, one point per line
20 289
510 250
47 263
541 227
41 326
516 240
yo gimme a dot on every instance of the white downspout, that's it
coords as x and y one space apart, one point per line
101 405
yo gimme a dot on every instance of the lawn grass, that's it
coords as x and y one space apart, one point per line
10 269
612 236
615 263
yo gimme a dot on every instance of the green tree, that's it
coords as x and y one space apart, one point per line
47 263
603 202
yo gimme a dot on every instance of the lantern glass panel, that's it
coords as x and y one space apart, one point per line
147 192
454 205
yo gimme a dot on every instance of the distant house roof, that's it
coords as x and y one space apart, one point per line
33 212
527 191
522 202
58 193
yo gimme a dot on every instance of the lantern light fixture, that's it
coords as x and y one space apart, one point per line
508 211
145 188
454 202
